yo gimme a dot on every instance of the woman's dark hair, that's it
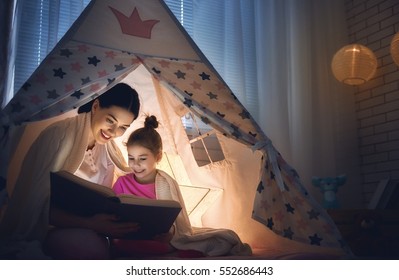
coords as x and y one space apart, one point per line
147 136
120 95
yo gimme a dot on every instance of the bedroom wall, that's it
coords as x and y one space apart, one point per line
373 23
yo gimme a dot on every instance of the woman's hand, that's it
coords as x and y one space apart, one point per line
164 237
106 224
110 225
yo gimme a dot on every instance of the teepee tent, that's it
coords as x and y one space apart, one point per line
252 191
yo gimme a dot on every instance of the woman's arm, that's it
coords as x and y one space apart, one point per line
104 224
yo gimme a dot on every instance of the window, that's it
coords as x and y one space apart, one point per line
42 23
183 11
204 142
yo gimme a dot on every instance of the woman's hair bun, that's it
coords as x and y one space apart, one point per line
151 122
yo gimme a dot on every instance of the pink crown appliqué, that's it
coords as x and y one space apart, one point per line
133 25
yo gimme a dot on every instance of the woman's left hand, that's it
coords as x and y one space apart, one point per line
164 237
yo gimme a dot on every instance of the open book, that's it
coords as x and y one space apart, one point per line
84 198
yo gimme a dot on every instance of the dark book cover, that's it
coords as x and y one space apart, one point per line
83 198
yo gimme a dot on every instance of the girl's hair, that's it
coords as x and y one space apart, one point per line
147 136
120 95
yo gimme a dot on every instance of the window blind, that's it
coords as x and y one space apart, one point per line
41 24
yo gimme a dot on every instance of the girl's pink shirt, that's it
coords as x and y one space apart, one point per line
128 185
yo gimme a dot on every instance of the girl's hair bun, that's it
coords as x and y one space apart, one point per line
151 122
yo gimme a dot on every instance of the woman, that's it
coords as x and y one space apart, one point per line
82 145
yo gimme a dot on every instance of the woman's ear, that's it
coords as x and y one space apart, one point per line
95 106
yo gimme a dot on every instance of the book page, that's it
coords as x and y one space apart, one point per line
84 183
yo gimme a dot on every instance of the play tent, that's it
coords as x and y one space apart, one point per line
252 190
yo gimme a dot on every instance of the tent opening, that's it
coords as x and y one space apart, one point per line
203 140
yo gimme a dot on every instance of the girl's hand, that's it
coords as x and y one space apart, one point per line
110 225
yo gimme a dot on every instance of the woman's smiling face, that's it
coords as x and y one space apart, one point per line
109 123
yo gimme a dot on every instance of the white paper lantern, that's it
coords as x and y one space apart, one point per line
354 64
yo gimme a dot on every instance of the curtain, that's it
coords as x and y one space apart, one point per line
7 11
275 55
308 115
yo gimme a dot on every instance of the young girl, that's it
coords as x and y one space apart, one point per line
144 148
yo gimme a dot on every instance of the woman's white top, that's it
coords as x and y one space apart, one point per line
97 166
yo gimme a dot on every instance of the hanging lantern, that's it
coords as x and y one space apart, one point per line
354 64
395 48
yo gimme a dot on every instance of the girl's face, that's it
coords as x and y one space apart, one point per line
143 163
109 123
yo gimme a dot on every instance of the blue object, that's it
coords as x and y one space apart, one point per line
329 187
